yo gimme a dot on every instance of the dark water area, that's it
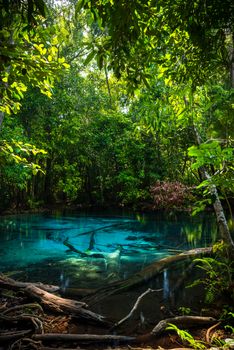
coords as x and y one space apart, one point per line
90 250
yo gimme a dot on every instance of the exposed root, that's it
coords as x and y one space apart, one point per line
209 330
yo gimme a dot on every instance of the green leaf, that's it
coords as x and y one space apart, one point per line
89 57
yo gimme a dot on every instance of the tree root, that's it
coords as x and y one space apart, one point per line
35 320
209 330
22 306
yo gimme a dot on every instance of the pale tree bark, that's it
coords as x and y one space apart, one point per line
232 62
217 205
1 119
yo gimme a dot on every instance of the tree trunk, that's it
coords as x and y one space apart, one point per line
217 205
1 119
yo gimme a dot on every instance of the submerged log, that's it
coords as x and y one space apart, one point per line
101 228
73 249
144 275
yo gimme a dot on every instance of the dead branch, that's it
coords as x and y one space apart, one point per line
182 321
87 338
135 306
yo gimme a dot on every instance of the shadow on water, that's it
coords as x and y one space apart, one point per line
114 247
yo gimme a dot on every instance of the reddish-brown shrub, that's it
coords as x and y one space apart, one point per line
169 195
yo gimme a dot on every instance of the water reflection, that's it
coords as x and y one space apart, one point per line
89 251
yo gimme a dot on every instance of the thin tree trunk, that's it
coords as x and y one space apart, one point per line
218 208
1 119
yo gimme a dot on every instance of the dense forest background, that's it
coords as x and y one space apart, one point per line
121 103
98 111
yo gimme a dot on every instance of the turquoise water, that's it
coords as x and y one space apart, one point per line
104 248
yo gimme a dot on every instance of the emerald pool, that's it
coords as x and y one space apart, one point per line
112 246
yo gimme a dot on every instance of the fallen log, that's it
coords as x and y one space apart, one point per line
58 304
51 301
9 283
144 275
85 338
179 321
182 321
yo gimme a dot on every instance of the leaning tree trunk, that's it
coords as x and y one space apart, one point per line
217 205
1 119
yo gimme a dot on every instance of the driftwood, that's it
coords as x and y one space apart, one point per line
144 275
51 301
87 338
67 306
182 321
9 283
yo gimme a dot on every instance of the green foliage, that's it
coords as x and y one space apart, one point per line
218 280
185 310
195 33
186 337
219 162
29 54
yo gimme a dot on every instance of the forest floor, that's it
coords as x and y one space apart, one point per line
30 319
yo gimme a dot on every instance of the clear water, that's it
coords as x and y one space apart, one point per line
32 246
